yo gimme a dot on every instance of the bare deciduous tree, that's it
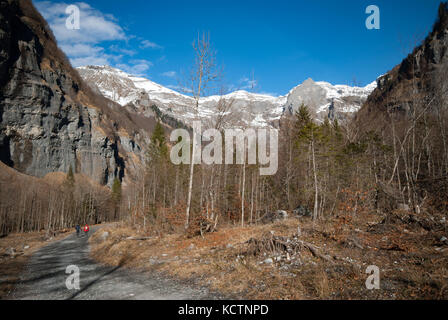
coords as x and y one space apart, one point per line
202 75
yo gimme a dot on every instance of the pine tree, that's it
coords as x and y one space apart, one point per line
303 117
158 170
158 149
309 134
116 191
116 196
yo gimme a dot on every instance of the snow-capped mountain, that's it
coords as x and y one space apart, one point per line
327 100
239 108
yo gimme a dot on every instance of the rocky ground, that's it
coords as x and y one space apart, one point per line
292 259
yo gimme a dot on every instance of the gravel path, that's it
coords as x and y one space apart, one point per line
45 278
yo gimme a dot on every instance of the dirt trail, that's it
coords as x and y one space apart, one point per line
44 278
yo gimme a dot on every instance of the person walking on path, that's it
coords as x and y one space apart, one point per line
86 229
78 229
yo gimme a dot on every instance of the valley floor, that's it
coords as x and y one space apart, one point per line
44 276
326 261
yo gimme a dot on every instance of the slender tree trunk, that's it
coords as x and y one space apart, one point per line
190 184
242 192
316 194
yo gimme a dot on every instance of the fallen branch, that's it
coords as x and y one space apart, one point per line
314 250
139 238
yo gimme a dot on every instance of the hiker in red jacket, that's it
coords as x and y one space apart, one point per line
86 229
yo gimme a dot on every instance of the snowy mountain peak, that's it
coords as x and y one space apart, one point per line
327 100
246 108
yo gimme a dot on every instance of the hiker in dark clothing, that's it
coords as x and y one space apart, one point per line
78 229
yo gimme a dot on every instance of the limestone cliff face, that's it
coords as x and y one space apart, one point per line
49 119
418 79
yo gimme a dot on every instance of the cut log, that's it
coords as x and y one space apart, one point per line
139 238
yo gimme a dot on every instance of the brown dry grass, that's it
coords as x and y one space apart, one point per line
411 267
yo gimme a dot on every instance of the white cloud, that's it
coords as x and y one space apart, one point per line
81 49
94 25
128 52
90 60
83 46
245 83
90 45
136 67
86 54
148 44
169 74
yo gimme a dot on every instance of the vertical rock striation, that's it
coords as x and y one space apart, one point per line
49 119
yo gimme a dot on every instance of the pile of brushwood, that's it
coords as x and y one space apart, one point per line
270 244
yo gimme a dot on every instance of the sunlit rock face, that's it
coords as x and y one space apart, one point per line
327 100
49 119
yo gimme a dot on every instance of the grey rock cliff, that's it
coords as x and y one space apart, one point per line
44 126
417 79
326 100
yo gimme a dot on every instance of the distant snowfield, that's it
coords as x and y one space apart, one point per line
248 109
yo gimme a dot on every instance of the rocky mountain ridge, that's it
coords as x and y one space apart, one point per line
247 108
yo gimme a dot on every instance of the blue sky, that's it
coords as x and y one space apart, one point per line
282 43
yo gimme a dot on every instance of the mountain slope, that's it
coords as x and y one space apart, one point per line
247 109
407 116
327 100
49 119
419 80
